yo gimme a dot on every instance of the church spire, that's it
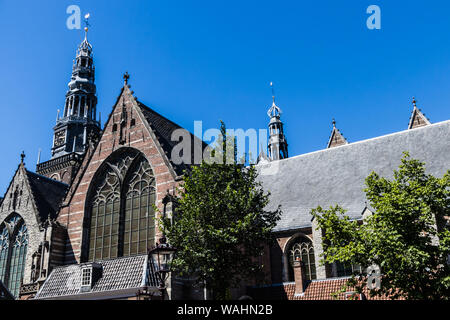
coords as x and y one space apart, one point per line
417 118
80 109
277 147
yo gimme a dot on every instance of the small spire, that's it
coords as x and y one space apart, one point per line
39 156
336 138
414 102
22 156
126 76
57 115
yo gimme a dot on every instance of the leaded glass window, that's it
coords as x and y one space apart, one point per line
122 216
18 255
13 251
4 246
347 269
105 217
303 249
139 214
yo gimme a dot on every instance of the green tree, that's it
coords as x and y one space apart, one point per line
406 236
221 226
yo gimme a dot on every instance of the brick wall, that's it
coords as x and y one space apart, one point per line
138 136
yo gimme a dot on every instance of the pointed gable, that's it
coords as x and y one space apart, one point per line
417 118
30 190
336 138
132 128
163 129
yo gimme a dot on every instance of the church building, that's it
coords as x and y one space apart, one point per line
81 226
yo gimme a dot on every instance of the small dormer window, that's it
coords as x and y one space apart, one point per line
90 273
86 277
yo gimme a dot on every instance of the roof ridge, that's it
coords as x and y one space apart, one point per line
46 178
141 104
365 140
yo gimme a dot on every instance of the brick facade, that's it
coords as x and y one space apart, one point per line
137 134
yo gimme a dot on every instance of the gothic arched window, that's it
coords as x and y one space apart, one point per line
302 249
4 246
122 216
139 214
13 251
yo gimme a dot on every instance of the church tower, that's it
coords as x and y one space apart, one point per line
277 147
78 124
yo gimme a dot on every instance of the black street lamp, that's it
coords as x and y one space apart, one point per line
162 254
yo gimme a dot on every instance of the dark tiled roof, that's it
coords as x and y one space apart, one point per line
4 293
117 274
336 175
315 290
163 129
48 194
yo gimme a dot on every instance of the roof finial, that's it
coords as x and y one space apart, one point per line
86 22
22 156
414 102
273 92
126 76
274 110
334 123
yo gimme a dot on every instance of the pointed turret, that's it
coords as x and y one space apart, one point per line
417 118
336 138
277 147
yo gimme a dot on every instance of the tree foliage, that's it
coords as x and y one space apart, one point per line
406 236
221 226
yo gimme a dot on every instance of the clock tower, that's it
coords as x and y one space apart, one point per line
78 123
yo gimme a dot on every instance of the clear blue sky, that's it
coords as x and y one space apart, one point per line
212 60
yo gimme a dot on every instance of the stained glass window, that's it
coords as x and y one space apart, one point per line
122 216
13 251
303 249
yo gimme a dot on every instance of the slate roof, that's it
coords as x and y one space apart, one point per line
336 175
163 129
315 290
117 274
48 194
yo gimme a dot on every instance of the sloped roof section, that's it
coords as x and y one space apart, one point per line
315 290
164 128
47 193
337 175
131 272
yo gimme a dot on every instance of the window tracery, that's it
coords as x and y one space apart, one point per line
122 215
303 249
13 250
